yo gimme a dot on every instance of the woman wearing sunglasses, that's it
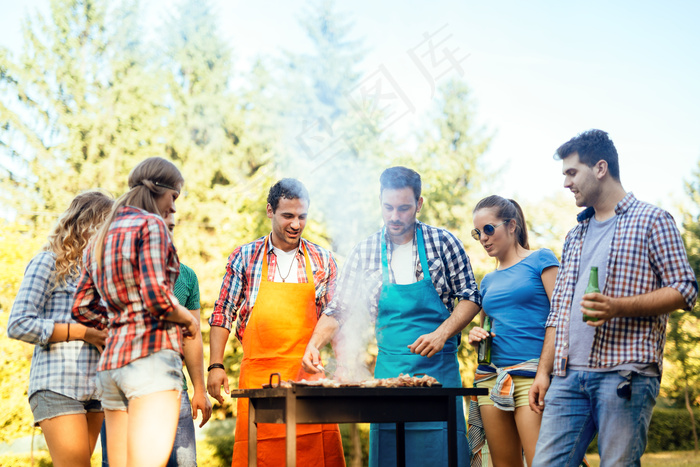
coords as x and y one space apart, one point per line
516 298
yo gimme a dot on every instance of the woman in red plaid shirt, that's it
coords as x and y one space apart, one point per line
126 286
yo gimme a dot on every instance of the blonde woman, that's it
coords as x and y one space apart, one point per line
62 392
132 268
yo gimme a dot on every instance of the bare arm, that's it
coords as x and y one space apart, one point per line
544 370
428 345
194 361
218 337
656 303
182 315
78 332
325 329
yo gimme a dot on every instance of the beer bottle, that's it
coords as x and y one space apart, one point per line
592 288
484 349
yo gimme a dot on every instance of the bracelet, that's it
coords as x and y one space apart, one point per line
68 335
215 365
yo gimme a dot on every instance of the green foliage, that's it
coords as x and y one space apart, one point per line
327 143
355 439
222 449
682 369
18 243
449 158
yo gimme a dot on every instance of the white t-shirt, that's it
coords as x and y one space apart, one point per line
287 264
403 263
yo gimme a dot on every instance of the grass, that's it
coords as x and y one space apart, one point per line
659 459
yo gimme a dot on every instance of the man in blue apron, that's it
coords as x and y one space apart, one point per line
409 276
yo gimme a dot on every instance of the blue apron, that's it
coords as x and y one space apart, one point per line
407 311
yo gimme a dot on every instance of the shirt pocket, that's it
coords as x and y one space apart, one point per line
437 275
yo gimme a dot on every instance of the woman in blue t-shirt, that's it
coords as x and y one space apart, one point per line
516 298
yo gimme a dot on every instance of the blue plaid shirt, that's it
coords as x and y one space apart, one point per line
646 254
67 368
361 279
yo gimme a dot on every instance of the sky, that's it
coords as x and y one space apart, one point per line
540 73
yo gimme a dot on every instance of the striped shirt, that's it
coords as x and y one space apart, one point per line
448 264
241 282
140 266
646 254
187 288
186 291
67 368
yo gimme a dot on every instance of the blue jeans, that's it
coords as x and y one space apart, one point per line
585 402
184 451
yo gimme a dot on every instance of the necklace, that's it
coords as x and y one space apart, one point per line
284 278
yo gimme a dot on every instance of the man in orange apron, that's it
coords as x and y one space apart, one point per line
275 290
411 274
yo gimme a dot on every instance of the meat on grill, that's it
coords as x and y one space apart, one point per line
398 382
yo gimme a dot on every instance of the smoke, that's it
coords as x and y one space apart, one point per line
353 346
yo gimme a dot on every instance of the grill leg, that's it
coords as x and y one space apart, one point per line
291 419
400 444
252 435
452 431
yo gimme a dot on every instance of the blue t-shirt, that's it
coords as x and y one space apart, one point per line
518 305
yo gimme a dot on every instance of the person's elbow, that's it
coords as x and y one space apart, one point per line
14 330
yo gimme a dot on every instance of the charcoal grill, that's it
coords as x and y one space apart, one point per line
318 404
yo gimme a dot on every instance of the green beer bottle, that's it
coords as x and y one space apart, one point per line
484 350
592 288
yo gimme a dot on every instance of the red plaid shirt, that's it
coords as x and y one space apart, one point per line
139 268
239 288
646 254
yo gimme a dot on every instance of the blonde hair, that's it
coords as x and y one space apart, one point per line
148 181
73 231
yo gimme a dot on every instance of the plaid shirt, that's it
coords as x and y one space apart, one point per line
646 254
448 265
66 368
136 280
241 282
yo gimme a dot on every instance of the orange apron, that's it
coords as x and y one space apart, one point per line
280 326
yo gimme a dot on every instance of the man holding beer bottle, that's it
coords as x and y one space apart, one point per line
606 370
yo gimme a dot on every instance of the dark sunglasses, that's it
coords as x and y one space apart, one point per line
489 229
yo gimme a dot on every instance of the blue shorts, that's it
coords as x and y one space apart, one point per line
49 404
160 371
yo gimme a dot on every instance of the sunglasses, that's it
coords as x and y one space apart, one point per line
489 229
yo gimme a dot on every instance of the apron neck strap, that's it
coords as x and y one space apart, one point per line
420 244
309 273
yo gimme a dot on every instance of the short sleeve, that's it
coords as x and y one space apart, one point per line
546 259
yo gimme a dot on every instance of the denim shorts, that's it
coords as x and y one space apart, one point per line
160 371
49 404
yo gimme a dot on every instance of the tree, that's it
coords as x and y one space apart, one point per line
684 327
337 150
218 140
449 157
17 246
77 107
